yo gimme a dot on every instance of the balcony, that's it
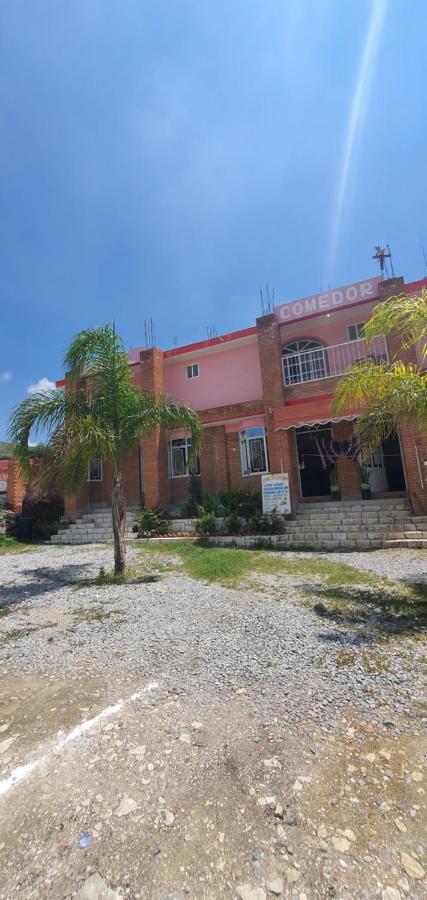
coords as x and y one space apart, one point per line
330 362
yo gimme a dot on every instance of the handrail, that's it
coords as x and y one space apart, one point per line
332 360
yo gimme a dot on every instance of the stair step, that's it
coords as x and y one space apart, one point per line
409 544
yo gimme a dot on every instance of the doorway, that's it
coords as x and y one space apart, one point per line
393 465
314 471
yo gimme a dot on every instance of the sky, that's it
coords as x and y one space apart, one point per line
164 159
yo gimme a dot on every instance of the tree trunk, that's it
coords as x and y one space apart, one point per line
118 507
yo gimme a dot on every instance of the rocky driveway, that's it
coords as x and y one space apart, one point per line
175 738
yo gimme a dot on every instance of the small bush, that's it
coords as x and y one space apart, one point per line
232 523
213 505
244 503
206 523
45 513
266 524
151 522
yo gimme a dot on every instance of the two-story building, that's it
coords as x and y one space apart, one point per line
264 395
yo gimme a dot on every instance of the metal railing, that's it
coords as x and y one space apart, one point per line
328 362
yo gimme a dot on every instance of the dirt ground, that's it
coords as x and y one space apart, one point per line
174 791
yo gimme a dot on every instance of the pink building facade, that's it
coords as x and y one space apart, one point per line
264 395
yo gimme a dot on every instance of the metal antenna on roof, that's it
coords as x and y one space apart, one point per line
150 333
267 301
174 342
422 249
211 332
382 254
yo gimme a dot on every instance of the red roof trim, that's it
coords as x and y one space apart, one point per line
212 342
414 286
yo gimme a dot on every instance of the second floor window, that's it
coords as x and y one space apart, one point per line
193 370
178 453
303 360
355 332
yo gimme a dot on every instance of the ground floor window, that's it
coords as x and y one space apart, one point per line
95 470
178 453
253 451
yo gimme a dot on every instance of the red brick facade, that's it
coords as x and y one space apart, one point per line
146 469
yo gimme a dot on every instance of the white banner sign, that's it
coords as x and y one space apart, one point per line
275 495
318 303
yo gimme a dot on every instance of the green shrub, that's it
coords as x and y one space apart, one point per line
150 522
272 524
45 514
232 523
213 505
206 523
192 504
244 503
266 524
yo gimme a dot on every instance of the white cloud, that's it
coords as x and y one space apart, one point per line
5 376
43 384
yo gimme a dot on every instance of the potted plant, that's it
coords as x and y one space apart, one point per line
334 484
365 487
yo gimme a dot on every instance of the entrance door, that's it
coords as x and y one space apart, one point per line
314 477
393 464
377 471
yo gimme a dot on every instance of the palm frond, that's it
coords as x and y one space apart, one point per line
385 397
96 353
403 315
147 412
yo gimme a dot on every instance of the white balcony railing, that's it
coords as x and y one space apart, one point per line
328 362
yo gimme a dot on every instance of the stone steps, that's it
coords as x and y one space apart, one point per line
419 544
93 527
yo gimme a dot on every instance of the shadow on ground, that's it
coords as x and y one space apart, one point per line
383 611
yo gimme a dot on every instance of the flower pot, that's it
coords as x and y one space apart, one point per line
336 493
366 491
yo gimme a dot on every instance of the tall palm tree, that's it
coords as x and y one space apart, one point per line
99 415
389 395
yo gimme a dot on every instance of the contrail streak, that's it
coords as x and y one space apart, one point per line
357 111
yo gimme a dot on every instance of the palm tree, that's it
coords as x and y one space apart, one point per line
99 415
389 395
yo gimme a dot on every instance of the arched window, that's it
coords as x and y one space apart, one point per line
303 360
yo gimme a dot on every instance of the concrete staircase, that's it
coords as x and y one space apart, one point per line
93 527
413 535
347 525
350 525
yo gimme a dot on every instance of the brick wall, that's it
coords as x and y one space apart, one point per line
281 444
347 469
148 375
414 452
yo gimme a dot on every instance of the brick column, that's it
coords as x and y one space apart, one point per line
414 451
16 485
347 469
75 503
281 444
149 377
213 461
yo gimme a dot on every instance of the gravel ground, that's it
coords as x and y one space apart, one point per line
210 635
278 754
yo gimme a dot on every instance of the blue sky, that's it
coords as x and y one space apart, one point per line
165 158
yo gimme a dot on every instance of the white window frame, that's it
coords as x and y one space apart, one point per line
189 370
359 331
89 476
303 359
246 437
181 444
